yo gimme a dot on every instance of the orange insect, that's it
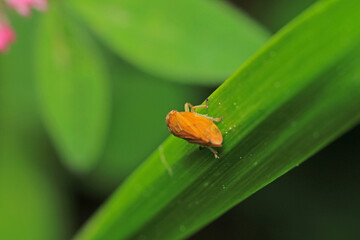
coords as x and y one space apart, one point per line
194 127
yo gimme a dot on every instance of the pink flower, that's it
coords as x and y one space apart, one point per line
7 36
23 7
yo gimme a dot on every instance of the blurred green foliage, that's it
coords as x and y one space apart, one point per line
33 204
83 96
199 42
73 89
274 14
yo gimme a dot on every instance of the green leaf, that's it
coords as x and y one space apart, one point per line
188 41
73 89
296 95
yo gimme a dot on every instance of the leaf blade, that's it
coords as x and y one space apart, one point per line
73 90
186 41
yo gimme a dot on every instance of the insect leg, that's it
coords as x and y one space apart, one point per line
214 152
218 119
188 106
211 118
193 108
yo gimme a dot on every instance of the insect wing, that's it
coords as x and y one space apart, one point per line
185 125
202 130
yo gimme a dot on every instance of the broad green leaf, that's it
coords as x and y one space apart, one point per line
140 104
31 206
292 98
73 90
199 42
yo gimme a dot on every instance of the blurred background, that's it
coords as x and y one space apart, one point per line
80 109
